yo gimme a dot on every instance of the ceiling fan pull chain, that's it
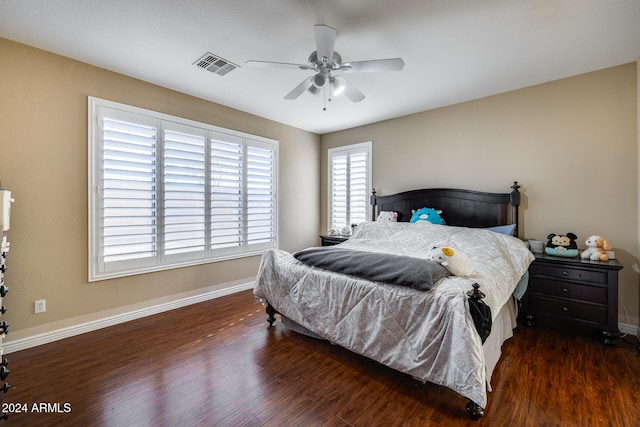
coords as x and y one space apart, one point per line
324 97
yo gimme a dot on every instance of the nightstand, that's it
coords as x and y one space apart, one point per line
573 292
332 240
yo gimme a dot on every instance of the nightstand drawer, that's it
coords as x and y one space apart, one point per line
569 309
568 273
550 287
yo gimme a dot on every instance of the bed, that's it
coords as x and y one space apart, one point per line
435 334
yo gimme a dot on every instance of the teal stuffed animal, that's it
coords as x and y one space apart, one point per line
427 215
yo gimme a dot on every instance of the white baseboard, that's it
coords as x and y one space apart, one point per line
628 329
106 319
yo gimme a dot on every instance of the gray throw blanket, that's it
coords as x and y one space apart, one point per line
416 273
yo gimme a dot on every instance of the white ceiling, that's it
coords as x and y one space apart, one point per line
454 50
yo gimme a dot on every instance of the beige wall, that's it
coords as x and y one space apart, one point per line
572 144
43 161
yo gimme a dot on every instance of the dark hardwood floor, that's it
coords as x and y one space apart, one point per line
218 363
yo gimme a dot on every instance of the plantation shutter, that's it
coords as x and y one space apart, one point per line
128 215
184 190
260 195
349 185
227 204
358 188
339 191
167 192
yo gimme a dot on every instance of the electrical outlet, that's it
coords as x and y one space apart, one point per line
41 306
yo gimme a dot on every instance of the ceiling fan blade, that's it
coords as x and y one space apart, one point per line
325 41
350 90
374 65
270 64
299 90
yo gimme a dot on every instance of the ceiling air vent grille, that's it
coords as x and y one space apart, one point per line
215 64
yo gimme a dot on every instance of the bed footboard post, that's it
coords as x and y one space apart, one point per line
480 312
373 202
515 202
475 293
271 314
474 410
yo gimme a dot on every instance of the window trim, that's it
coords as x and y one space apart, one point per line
366 147
96 270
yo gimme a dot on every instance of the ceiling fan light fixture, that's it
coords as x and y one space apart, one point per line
319 80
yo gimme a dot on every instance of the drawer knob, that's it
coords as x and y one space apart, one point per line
565 274
565 290
565 309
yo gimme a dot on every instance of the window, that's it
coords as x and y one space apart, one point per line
349 184
167 192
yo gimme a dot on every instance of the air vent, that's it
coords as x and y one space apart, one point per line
215 64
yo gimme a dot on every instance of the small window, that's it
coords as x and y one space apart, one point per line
167 192
349 184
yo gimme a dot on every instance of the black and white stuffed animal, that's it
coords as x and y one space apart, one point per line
562 245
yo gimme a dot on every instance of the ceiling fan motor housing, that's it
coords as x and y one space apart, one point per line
328 65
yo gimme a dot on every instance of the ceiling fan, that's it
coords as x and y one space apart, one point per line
325 61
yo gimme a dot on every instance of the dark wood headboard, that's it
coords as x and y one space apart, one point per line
466 208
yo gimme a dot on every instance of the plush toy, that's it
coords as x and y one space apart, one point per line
454 261
427 215
389 216
562 245
596 249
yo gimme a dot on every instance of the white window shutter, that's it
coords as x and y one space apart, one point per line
358 188
167 192
260 195
349 185
227 204
339 191
184 190
129 191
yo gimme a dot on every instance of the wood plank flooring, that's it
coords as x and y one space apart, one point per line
218 363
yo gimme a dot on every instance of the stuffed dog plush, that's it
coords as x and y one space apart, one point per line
596 249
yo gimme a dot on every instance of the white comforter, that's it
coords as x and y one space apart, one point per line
429 335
